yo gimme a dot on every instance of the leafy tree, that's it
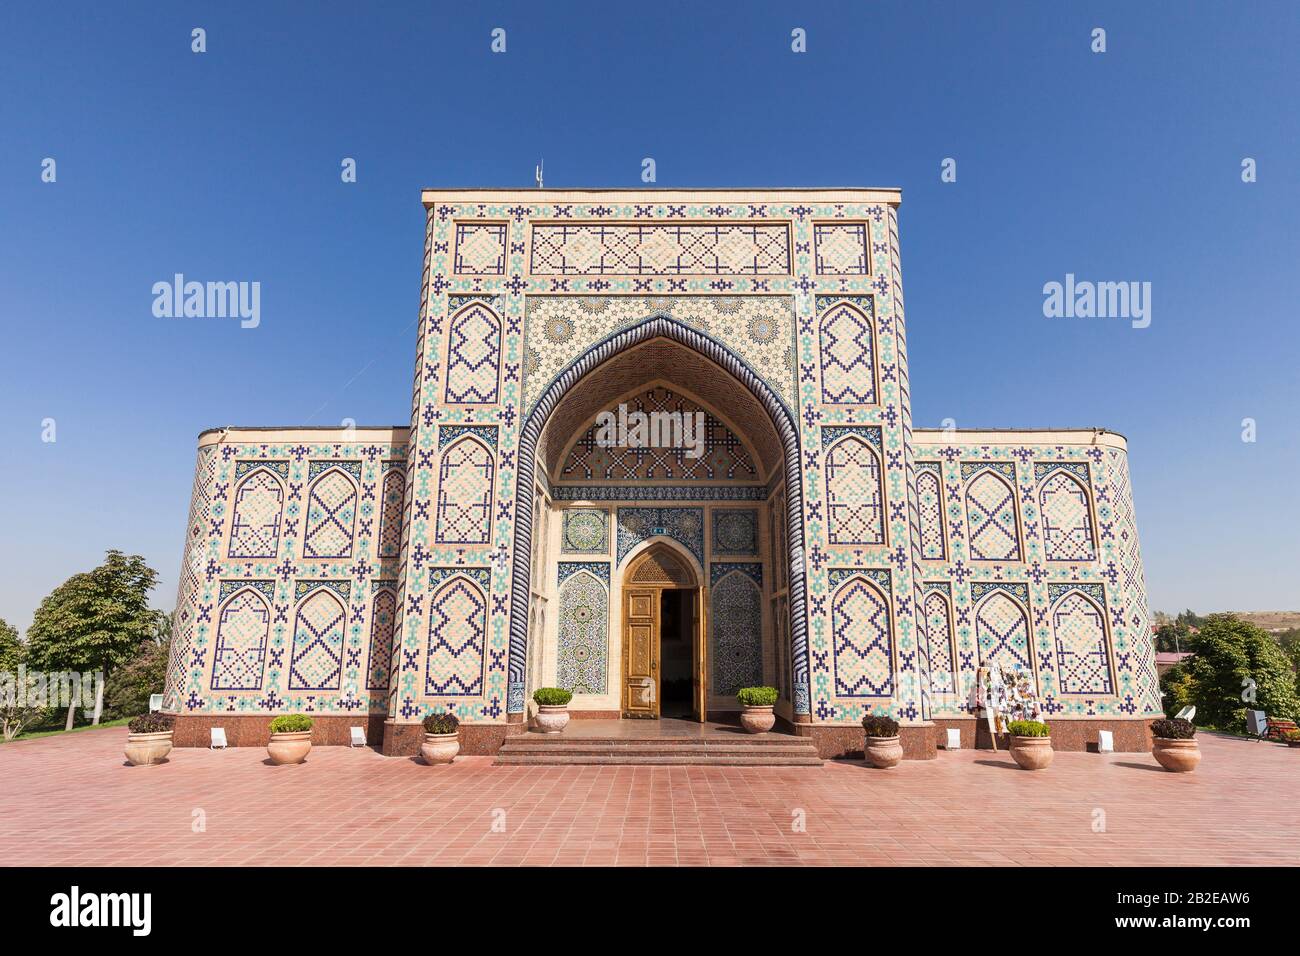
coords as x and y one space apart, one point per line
18 709
1190 618
1173 636
1233 659
127 691
1178 689
94 620
11 648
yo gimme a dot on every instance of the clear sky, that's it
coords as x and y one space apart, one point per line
1115 166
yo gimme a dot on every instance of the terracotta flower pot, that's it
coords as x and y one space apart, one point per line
440 748
1032 753
757 719
884 752
143 750
552 718
289 747
1176 756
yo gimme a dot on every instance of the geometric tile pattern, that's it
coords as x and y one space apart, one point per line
656 250
473 356
847 356
769 323
383 615
683 525
929 500
242 631
255 528
465 481
736 620
318 632
854 494
991 519
584 634
938 633
390 513
1002 631
841 248
656 448
331 516
457 639
759 327
586 530
864 664
480 248
1067 523
735 531
1079 631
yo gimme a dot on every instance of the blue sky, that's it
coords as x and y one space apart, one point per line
1117 166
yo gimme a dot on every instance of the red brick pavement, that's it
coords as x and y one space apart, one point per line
70 800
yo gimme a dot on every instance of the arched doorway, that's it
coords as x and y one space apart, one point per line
767 580
665 653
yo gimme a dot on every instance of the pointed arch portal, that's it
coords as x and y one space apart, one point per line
786 440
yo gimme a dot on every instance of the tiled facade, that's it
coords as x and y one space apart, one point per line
855 564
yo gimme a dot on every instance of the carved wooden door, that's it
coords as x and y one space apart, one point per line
641 653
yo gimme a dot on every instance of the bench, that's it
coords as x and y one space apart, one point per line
1278 729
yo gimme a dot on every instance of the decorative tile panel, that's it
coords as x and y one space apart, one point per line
583 660
848 351
1079 631
735 531
242 631
615 249
841 248
860 626
481 248
683 525
585 531
736 620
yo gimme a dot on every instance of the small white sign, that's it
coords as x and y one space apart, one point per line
358 737
1105 742
218 739
155 702
954 739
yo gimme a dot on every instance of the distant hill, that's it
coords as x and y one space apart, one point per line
1271 620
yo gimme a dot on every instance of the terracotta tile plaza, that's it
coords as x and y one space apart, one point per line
71 800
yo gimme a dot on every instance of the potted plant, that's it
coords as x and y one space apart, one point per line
756 705
1031 744
441 738
290 739
1174 745
552 709
149 739
882 748
1292 738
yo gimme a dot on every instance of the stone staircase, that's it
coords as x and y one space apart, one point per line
729 750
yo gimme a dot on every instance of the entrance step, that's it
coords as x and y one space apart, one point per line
764 750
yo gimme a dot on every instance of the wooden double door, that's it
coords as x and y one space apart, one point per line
644 626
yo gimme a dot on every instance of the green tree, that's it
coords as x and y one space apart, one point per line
94 620
1177 689
11 648
1238 666
127 690
18 709
1173 636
